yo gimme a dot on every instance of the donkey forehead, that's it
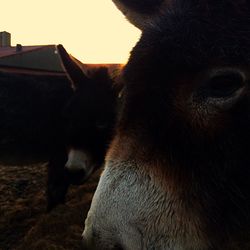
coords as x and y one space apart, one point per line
191 41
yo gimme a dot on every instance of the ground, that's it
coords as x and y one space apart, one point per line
24 224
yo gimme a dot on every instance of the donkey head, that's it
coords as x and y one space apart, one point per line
177 172
89 117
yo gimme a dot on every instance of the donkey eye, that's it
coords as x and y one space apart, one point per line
224 85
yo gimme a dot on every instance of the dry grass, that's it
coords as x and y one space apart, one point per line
23 221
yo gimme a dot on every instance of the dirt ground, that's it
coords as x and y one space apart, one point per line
24 225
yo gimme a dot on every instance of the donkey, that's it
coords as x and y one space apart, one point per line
177 171
88 120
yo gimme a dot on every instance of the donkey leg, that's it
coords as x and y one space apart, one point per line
57 182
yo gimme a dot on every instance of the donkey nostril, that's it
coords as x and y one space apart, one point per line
224 84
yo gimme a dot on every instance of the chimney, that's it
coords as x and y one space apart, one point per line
5 39
19 47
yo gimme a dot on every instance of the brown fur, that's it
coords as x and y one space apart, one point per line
177 172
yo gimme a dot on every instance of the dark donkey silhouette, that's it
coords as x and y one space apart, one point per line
43 118
88 120
177 173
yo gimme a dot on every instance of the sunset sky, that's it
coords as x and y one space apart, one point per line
94 31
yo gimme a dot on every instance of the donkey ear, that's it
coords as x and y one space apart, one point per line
141 13
73 68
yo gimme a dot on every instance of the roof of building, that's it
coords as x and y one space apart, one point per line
43 58
10 51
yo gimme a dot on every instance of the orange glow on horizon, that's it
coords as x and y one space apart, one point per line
93 31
